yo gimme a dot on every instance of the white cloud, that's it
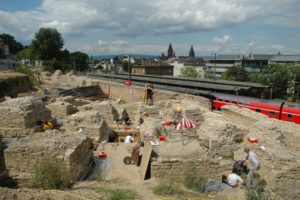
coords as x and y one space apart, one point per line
134 18
223 40
143 17
120 43
251 43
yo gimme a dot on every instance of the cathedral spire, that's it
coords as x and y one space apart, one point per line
192 53
170 51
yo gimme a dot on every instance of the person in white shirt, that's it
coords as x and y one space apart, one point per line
254 165
129 138
233 180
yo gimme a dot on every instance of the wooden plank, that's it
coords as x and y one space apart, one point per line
147 150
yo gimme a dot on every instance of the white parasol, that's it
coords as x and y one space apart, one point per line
184 123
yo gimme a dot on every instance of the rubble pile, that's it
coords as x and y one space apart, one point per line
21 157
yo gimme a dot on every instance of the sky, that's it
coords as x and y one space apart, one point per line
102 27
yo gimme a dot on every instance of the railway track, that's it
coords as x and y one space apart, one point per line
199 87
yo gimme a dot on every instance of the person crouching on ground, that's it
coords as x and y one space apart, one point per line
129 138
254 165
233 180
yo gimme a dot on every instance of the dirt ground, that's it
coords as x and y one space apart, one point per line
121 176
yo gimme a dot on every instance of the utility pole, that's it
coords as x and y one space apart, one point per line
215 66
215 63
129 67
74 63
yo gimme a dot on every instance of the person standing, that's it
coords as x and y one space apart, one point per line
254 166
150 93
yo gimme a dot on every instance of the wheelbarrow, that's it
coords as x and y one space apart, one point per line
135 155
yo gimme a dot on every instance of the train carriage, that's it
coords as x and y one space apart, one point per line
273 109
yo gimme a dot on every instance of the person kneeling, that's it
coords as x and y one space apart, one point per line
233 180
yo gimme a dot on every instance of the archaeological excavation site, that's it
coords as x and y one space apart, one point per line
77 137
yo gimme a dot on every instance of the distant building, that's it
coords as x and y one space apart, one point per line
170 51
153 68
182 62
220 63
256 62
192 53
285 59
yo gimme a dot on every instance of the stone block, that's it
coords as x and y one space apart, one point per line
22 113
72 150
61 109
93 125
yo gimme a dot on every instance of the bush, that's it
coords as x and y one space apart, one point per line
193 181
167 188
117 194
29 73
259 192
51 174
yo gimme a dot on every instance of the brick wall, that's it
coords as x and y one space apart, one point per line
176 168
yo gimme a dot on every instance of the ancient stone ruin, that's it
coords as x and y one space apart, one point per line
91 122
22 156
21 114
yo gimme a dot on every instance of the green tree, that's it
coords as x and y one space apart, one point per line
26 53
209 73
1 53
236 73
278 78
47 44
81 60
13 45
188 71
294 83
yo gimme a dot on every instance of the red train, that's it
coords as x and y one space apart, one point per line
274 109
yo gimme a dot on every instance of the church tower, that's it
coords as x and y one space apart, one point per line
170 51
192 53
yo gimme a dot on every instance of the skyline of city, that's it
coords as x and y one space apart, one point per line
142 27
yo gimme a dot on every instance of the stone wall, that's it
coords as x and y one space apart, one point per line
2 163
22 113
22 156
176 168
280 159
12 83
61 109
94 125
107 110
135 93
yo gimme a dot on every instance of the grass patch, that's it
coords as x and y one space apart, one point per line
167 188
51 174
259 192
227 155
122 101
117 194
193 181
29 73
